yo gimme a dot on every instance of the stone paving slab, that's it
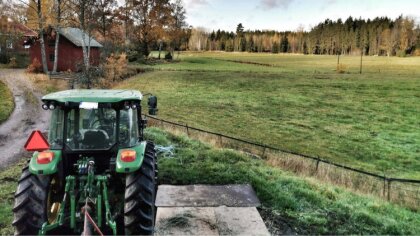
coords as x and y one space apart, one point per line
206 196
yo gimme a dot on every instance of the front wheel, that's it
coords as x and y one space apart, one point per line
140 195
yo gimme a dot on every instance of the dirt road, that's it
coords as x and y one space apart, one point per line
26 117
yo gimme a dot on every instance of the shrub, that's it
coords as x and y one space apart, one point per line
168 56
4 58
116 67
13 63
22 60
341 69
401 53
34 67
132 56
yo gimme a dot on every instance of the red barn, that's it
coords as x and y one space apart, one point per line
70 52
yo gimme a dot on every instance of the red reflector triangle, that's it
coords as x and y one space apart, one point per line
36 142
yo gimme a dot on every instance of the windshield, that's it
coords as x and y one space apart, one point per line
93 129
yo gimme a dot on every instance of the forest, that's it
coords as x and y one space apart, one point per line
380 36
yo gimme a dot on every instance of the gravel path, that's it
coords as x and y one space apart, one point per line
26 117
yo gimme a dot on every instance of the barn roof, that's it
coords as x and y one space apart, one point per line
8 27
75 36
24 30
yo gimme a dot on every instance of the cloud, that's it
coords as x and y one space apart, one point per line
270 4
196 3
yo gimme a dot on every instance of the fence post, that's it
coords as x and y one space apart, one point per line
188 131
263 155
317 164
220 141
384 192
389 190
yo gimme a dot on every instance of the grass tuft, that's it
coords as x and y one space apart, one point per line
6 102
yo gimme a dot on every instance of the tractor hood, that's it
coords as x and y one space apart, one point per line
93 95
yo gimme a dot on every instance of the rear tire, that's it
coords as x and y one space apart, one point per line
140 195
30 209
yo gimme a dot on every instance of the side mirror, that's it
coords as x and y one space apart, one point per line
152 103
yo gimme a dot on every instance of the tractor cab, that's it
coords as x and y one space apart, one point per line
94 120
97 123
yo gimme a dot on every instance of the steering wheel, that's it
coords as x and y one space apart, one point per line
107 126
93 124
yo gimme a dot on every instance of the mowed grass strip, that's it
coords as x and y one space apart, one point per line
367 121
6 102
305 205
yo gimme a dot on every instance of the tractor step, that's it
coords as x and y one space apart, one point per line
208 210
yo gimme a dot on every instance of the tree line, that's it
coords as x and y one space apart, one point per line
380 36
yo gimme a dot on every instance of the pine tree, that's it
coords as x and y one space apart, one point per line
284 44
275 48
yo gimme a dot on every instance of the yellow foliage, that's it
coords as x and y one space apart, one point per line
46 10
115 69
34 67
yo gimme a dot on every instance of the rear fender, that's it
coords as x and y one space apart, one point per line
130 167
45 169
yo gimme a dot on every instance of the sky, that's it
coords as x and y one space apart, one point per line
285 15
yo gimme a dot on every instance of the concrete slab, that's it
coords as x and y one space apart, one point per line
239 221
209 221
185 221
206 196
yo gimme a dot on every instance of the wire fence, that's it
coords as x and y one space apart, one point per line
401 191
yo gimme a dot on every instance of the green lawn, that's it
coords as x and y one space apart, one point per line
369 121
307 206
6 102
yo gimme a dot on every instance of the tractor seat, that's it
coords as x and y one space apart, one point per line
95 139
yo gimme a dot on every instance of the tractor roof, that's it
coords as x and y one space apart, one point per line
94 95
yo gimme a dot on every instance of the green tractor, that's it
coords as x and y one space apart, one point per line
96 174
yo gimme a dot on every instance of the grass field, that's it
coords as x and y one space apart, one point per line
6 102
303 205
300 103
